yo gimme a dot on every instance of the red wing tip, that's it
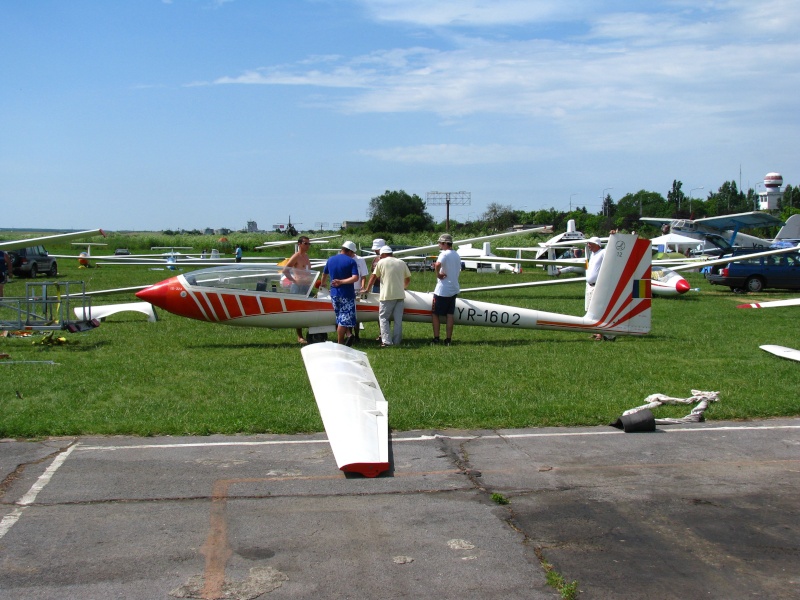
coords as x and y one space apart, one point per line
747 306
366 469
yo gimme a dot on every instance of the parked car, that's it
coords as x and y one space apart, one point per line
122 252
781 271
29 262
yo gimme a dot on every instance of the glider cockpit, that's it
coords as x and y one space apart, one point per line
263 278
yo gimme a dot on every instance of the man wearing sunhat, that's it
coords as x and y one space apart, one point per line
592 271
377 244
343 272
395 277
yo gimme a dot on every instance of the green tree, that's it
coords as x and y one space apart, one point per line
641 204
399 212
499 217
676 200
728 200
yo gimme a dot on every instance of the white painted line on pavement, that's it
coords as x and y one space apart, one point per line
424 438
30 496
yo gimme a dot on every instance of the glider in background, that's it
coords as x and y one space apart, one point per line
61 237
665 280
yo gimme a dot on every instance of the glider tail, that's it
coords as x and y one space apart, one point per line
622 296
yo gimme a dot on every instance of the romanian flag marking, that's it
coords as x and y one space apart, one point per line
641 288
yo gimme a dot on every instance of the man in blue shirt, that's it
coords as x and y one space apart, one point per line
343 271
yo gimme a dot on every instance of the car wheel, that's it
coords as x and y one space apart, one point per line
754 284
34 271
53 272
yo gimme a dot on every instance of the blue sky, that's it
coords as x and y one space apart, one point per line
153 114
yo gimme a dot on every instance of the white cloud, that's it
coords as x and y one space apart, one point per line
455 154
480 13
631 77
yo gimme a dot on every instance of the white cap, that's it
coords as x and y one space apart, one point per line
349 246
386 250
594 240
378 243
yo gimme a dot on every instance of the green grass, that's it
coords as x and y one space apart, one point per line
179 376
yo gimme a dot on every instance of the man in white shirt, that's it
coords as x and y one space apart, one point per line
363 271
592 271
447 268
395 277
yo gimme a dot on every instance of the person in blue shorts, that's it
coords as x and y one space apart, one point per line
343 272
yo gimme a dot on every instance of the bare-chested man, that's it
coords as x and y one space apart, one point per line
299 261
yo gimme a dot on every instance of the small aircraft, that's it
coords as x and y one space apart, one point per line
719 234
247 295
562 246
473 259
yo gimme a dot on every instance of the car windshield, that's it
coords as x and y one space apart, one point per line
265 278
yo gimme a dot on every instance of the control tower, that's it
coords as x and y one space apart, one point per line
772 194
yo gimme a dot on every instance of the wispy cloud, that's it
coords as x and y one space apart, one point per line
460 13
627 73
455 154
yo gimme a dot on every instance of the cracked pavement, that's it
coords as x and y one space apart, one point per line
706 509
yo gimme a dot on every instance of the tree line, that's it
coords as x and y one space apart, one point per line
400 212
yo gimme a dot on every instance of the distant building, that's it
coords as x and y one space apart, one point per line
208 231
252 227
353 224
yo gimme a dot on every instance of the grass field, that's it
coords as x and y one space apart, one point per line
178 376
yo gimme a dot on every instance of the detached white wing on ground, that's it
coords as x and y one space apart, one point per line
352 406
782 351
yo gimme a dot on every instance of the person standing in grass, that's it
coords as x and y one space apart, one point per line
343 271
592 271
395 277
298 271
448 269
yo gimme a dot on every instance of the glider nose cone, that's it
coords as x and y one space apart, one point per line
682 286
157 294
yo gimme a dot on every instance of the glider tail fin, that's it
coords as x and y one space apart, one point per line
622 296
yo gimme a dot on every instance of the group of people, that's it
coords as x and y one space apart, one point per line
390 278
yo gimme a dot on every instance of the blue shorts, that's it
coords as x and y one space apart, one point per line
345 309
444 305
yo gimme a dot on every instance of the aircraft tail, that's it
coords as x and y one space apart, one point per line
622 296
790 231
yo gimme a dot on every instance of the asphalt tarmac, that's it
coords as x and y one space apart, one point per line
708 510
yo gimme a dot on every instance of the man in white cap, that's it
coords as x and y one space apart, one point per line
395 277
448 269
343 271
592 271
377 244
